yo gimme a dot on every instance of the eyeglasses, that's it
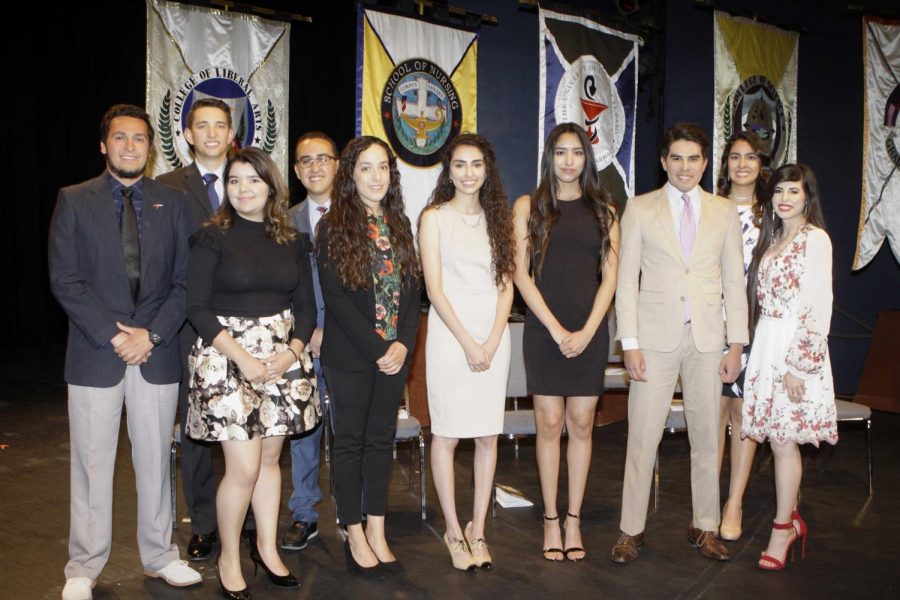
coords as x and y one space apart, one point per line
322 160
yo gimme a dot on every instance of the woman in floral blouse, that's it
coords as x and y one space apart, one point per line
789 395
370 284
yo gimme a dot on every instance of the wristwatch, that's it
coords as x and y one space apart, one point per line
154 338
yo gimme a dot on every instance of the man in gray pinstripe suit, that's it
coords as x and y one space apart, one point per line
118 267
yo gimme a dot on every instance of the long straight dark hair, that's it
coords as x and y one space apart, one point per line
771 227
544 208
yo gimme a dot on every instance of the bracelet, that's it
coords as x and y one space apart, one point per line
291 350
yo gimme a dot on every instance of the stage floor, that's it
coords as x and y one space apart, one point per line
851 552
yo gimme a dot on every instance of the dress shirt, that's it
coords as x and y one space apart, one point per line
315 215
137 199
219 184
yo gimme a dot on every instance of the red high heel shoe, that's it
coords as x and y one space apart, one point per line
770 563
802 529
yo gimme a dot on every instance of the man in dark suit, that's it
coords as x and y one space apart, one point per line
209 132
118 267
315 164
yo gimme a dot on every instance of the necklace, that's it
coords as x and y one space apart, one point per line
468 223
742 198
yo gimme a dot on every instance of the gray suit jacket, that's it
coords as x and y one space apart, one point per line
88 278
300 217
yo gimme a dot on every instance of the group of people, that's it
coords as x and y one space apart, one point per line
203 291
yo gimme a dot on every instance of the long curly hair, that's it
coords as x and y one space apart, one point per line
491 197
723 183
348 240
544 209
772 228
275 214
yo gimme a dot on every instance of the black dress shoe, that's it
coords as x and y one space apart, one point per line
298 536
201 545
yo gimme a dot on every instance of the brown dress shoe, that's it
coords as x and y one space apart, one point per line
709 544
626 549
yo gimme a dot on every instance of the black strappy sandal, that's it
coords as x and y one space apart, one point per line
574 548
545 551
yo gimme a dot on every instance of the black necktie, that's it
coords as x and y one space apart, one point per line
210 179
130 245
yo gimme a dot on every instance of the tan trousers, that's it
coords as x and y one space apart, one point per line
648 406
95 415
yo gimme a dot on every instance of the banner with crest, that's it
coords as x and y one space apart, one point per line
879 215
195 53
756 86
589 77
416 89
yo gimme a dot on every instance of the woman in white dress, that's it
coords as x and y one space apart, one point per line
742 179
467 251
789 395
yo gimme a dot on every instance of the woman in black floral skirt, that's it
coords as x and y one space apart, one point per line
250 297
370 283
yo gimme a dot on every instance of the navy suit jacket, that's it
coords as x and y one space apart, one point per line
300 217
88 278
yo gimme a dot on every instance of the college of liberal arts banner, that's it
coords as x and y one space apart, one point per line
416 89
880 212
756 86
196 53
589 77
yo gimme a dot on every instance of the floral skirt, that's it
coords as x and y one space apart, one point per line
223 405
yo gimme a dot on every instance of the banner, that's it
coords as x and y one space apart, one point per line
589 77
756 86
195 53
416 89
879 215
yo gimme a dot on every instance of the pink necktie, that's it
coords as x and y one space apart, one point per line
688 233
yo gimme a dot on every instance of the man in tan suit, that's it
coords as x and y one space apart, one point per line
680 257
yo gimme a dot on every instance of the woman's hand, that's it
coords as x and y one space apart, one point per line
794 386
575 343
478 358
393 359
253 369
278 364
559 335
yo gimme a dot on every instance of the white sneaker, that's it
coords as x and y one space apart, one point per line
177 573
78 588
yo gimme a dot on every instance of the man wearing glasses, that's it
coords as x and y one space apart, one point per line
315 165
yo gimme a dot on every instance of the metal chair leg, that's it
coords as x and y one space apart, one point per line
326 424
422 473
173 482
411 467
516 447
869 455
656 481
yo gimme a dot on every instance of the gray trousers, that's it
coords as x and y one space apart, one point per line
95 415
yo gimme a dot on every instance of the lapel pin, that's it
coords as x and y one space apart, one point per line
157 205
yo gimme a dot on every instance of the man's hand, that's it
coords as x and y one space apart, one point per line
634 362
730 367
135 348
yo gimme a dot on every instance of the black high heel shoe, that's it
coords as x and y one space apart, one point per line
373 572
243 594
282 581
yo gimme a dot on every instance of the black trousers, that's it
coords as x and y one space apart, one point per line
198 480
364 411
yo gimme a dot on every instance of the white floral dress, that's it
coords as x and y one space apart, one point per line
794 293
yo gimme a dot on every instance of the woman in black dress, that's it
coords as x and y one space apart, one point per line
250 297
370 283
567 236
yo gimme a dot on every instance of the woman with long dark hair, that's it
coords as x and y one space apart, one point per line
789 395
567 236
369 273
742 179
467 252
250 298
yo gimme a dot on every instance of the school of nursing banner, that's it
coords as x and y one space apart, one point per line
589 77
416 89
756 86
879 215
197 53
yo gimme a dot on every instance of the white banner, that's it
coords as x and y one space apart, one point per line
880 211
243 60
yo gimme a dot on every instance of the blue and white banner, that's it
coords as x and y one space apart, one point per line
243 60
589 77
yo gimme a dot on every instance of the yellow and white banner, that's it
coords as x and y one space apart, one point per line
879 215
195 53
416 89
756 86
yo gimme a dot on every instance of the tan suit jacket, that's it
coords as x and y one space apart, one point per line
655 280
